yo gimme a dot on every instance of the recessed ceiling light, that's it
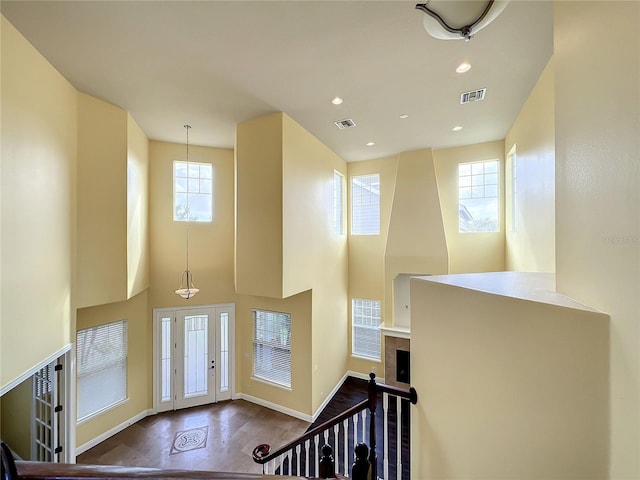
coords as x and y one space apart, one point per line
463 67
337 101
404 115
457 128
370 144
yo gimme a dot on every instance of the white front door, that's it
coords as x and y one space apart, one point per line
193 356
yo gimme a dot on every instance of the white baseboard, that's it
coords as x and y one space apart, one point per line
349 373
243 396
363 376
273 406
109 433
329 397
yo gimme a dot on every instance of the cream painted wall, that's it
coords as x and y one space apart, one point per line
299 397
507 388
308 242
102 202
137 209
469 252
416 242
139 371
259 222
313 256
366 252
38 152
598 192
15 419
531 243
210 243
2 20
285 246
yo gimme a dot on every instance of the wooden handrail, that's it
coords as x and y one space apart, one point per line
13 469
410 394
59 471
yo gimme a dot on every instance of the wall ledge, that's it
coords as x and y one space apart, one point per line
532 286
397 332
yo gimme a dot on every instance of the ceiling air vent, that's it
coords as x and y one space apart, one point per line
472 96
346 123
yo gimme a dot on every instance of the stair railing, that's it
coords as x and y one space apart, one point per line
342 434
14 469
301 457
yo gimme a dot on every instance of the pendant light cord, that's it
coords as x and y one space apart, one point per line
190 289
187 210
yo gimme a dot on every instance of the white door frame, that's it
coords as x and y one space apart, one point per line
173 312
60 446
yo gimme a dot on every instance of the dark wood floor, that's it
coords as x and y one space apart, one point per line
232 429
353 391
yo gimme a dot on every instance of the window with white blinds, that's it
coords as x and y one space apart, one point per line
365 338
272 347
101 360
365 205
337 202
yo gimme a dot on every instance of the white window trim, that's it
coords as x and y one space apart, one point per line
376 328
263 379
497 197
354 179
512 160
120 401
338 204
175 219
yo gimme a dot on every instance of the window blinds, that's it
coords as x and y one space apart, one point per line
101 360
365 205
366 328
272 347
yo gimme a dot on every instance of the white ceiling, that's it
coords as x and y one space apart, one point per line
213 64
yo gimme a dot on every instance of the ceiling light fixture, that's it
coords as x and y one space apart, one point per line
404 115
447 20
464 67
457 128
337 101
370 144
187 290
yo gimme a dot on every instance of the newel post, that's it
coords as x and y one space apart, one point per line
8 466
327 465
360 468
373 401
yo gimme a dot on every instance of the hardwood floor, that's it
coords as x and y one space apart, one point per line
234 429
351 392
231 430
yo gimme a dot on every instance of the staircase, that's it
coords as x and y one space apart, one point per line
370 440
338 445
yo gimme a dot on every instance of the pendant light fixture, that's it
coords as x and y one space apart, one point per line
187 289
459 19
